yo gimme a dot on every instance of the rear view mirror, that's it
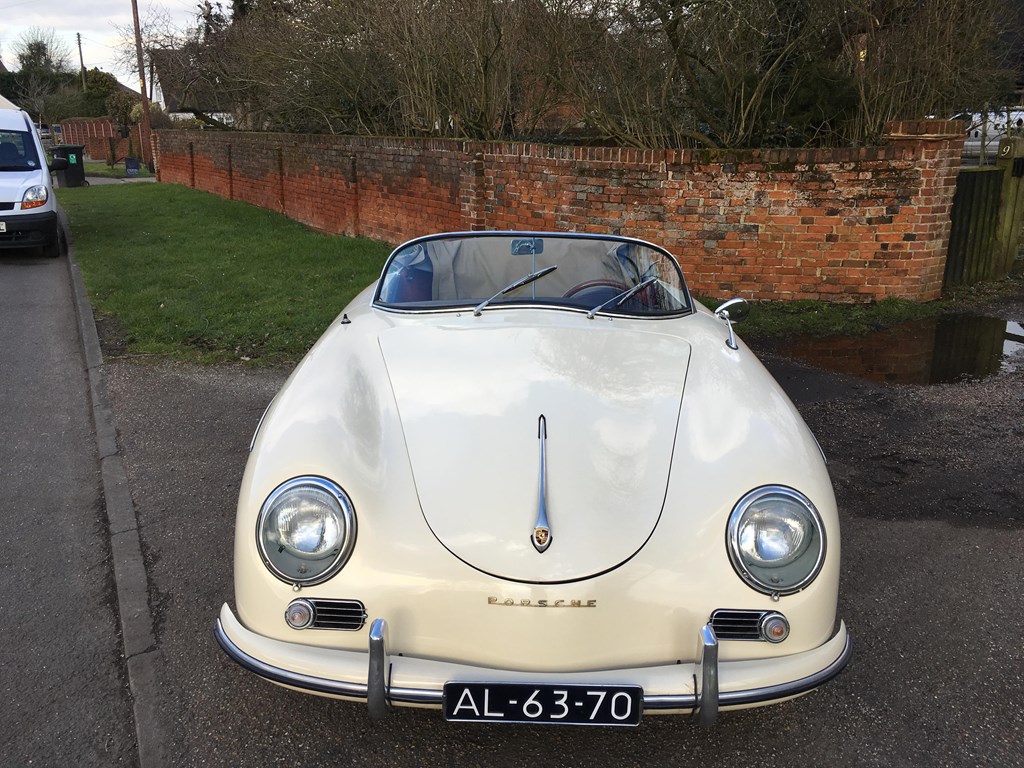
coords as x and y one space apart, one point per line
732 311
527 246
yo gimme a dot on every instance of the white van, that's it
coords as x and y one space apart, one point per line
992 129
28 207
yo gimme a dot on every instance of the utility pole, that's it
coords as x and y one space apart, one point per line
146 125
81 61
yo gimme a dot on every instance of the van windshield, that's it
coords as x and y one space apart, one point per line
18 151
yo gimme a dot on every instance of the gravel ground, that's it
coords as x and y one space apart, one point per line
930 484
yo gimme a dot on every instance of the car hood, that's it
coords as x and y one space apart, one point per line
470 402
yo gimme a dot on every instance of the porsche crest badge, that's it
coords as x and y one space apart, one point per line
541 538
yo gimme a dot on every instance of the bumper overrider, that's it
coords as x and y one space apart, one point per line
700 689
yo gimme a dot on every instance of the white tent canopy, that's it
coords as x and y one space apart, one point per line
7 104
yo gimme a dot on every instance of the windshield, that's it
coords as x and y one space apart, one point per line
17 151
465 270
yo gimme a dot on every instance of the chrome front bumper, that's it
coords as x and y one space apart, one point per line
380 690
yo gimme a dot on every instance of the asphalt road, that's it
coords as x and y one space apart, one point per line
930 483
63 688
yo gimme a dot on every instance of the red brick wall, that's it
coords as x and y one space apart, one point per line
95 135
404 186
839 225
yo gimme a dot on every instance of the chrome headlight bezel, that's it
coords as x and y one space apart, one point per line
811 560
344 512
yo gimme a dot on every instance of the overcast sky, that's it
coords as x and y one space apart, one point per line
97 20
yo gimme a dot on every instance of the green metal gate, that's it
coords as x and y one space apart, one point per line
975 212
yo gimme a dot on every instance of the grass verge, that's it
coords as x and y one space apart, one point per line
187 274
117 171
818 318
770 319
177 272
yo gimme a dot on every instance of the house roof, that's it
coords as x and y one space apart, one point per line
183 85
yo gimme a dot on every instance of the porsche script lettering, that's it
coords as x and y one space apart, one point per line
510 603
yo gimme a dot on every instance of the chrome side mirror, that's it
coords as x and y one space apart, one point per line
731 311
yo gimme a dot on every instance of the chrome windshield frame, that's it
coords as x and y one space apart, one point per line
685 296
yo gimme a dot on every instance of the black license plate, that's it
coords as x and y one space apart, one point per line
553 704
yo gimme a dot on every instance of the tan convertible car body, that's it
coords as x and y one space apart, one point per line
525 478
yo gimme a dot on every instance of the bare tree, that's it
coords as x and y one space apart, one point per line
462 68
41 51
34 89
699 72
912 58
646 73
43 69
456 68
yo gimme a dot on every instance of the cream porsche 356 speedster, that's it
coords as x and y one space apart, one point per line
526 478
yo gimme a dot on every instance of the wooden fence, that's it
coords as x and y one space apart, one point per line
987 218
975 209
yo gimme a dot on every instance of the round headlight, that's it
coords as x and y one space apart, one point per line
776 540
306 530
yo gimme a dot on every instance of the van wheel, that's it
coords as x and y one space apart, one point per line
56 248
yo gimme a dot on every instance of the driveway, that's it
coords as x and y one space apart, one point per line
930 484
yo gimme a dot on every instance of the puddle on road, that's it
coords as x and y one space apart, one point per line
935 350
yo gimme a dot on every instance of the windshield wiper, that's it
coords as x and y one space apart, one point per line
622 296
517 284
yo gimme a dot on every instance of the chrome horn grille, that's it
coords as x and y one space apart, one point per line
347 615
738 624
